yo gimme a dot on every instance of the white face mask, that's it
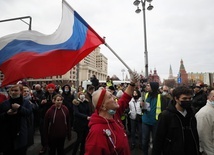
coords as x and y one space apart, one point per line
66 90
164 93
212 103
82 97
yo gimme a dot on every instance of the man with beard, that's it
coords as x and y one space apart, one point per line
14 114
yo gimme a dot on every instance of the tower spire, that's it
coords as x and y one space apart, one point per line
182 65
170 72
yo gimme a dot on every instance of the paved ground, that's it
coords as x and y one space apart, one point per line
35 148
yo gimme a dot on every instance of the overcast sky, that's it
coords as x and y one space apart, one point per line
175 30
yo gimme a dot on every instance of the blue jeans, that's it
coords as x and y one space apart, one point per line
136 127
146 131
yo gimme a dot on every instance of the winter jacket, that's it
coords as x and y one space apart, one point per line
57 122
149 116
176 134
88 96
81 112
107 136
14 128
2 98
135 108
205 126
44 107
199 100
68 98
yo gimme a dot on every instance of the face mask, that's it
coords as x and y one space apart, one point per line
185 104
212 103
27 97
164 93
135 97
82 97
111 112
66 90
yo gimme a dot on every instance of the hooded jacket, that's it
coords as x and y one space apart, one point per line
149 116
68 98
107 136
57 122
176 134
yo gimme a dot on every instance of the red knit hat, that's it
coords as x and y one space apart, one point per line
51 85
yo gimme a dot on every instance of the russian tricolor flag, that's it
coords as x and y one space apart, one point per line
30 54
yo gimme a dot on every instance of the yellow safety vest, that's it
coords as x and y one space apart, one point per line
109 83
158 105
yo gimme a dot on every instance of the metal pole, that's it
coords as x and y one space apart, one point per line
77 81
145 40
117 56
20 18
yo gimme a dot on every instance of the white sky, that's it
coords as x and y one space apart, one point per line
176 30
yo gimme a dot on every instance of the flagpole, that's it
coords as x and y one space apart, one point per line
117 55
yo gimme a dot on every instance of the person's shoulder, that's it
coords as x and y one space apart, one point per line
205 110
166 116
64 107
27 102
4 103
166 113
35 93
96 130
86 100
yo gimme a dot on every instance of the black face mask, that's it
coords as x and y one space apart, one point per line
186 104
135 97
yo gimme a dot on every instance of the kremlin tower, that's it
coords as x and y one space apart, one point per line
182 75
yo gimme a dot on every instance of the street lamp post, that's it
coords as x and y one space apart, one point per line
150 7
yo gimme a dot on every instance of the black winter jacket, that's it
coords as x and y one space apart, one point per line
176 134
199 100
14 128
81 112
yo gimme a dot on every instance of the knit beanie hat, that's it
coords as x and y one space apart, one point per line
51 85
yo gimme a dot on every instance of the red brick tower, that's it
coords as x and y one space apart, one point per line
183 74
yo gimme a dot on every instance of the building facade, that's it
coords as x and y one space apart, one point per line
206 77
190 78
154 77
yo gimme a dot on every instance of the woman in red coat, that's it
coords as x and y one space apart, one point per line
107 135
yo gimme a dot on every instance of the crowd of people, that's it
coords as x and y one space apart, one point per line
157 119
